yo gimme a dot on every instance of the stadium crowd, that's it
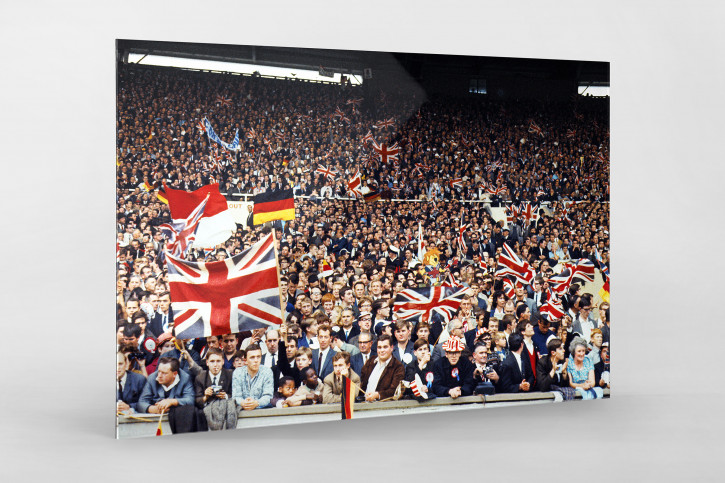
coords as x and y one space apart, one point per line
341 320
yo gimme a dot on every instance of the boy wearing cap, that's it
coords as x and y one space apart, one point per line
453 374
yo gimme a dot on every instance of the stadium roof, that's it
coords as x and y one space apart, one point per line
354 62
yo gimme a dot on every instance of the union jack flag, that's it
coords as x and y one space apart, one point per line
354 102
181 233
530 212
457 183
423 303
466 142
200 126
329 172
229 296
385 152
223 101
512 213
552 309
492 166
559 284
368 138
513 265
496 191
584 269
601 158
341 115
354 185
252 133
451 282
534 128
386 123
508 288
570 133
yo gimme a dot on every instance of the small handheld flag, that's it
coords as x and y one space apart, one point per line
348 398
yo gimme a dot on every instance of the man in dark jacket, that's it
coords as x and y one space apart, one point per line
515 374
453 375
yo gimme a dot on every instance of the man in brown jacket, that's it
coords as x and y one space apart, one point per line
381 375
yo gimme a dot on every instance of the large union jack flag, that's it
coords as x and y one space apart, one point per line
355 185
423 303
229 296
529 212
584 269
223 101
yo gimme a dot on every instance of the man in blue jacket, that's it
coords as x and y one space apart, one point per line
166 388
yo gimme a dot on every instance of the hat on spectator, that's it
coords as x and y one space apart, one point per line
164 337
453 345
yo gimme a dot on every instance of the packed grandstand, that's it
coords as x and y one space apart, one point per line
396 192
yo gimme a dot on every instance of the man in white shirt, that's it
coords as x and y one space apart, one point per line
381 375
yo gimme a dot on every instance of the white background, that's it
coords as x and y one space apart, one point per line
665 418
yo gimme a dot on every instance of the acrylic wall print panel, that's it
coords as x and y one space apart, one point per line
355 234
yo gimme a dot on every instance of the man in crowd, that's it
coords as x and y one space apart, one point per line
381 375
252 385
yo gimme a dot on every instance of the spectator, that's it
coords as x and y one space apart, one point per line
381 375
331 393
252 385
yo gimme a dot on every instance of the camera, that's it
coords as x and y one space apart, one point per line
132 356
216 389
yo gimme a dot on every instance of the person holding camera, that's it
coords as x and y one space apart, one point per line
212 391
485 376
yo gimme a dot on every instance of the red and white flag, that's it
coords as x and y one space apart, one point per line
535 129
515 266
330 173
415 386
552 309
355 185
216 224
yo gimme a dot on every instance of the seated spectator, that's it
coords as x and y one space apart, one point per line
129 385
285 397
423 368
552 371
515 375
332 390
252 385
453 374
167 388
581 372
382 374
212 391
311 388
485 376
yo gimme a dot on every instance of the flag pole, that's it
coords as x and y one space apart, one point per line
279 275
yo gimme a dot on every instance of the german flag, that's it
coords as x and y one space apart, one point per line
372 196
274 205
348 398
285 162
161 195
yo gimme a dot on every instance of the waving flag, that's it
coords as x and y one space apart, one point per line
180 233
515 266
570 133
201 126
355 185
214 137
512 213
457 183
386 123
223 101
229 296
584 269
535 129
422 303
552 309
529 212
252 133
559 284
354 102
496 191
508 288
368 138
216 224
330 173
385 152
273 205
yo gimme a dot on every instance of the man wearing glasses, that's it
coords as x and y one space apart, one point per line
583 324
365 343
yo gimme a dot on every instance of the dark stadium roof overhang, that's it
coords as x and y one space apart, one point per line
353 62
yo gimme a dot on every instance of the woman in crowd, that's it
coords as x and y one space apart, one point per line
581 372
